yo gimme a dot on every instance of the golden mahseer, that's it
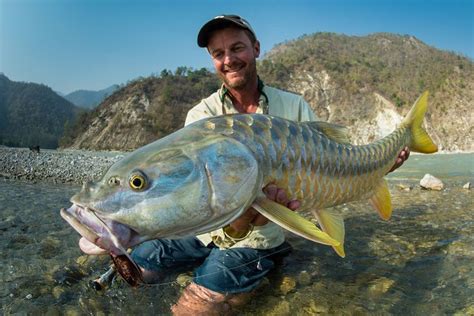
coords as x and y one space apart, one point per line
207 174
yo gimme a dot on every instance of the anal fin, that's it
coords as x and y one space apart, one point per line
381 200
333 225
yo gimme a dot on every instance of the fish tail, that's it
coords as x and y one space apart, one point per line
420 140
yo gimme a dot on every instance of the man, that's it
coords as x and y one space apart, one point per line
237 257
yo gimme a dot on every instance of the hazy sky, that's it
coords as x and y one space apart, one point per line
92 44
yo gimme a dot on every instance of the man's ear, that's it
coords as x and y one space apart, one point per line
256 48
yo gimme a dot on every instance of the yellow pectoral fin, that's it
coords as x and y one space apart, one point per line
333 225
381 200
291 221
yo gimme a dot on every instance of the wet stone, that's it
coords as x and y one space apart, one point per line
19 241
468 310
431 183
403 187
304 278
82 260
49 247
314 308
68 275
459 248
184 279
281 308
287 285
57 292
380 286
72 311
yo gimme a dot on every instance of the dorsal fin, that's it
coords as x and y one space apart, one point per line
337 133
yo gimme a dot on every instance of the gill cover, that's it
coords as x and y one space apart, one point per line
233 176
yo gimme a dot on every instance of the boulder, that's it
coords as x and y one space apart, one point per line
430 182
467 186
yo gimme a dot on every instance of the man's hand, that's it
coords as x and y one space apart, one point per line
251 216
402 156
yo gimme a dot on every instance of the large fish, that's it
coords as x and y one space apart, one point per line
207 174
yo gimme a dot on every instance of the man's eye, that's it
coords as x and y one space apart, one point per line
238 48
217 55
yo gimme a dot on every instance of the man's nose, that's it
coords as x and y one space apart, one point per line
229 57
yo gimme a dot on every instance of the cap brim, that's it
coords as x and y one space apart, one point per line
206 29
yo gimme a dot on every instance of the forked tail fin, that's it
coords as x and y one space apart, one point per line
420 140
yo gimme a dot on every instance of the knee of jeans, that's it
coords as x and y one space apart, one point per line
228 274
147 255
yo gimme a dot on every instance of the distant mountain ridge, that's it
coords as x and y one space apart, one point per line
32 114
89 99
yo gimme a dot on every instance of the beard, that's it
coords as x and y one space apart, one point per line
248 77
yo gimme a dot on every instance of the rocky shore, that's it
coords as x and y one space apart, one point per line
55 166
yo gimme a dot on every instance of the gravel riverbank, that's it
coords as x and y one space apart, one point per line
55 166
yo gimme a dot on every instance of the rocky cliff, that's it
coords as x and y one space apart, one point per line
144 110
369 83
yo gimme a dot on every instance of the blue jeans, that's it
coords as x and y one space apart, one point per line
234 270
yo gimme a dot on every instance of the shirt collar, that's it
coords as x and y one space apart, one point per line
262 101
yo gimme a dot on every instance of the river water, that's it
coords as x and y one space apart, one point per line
420 262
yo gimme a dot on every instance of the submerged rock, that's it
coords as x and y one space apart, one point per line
184 279
404 187
304 278
380 286
287 285
431 183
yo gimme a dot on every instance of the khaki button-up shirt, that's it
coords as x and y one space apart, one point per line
274 102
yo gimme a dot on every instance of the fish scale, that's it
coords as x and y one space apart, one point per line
311 167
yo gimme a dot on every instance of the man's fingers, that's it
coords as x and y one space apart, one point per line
270 191
260 220
293 205
242 223
281 197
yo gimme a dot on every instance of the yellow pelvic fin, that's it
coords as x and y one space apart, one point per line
337 133
291 221
420 140
381 200
333 225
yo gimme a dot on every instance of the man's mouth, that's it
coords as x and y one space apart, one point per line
234 70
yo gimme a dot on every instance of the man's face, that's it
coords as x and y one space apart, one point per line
234 56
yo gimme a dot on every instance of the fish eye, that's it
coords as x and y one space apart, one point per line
137 182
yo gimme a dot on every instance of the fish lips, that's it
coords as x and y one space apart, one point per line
107 234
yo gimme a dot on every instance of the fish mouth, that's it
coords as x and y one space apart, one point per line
105 234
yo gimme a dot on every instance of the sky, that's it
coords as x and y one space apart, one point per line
91 44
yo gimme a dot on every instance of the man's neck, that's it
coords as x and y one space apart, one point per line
246 99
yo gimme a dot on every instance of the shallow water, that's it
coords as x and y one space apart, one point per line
420 262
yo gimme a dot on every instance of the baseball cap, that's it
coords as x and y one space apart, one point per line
221 21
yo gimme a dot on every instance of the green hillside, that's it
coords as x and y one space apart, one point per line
32 114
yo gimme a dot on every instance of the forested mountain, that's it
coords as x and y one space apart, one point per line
366 83
89 99
144 110
32 114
